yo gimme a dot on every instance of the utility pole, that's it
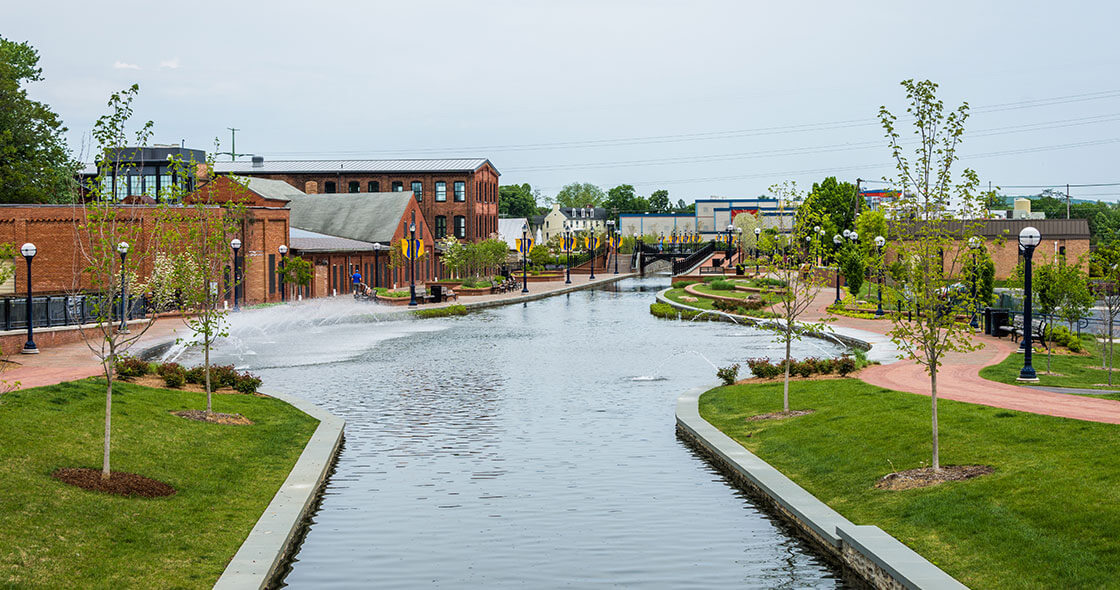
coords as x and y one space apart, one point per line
855 210
232 153
1067 201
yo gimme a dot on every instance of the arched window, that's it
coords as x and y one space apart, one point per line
373 187
329 187
398 186
354 186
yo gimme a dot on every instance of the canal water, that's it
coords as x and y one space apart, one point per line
527 446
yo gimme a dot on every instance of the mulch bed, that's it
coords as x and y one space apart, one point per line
779 415
119 482
926 476
157 382
214 417
792 378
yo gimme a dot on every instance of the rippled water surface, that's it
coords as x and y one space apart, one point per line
529 446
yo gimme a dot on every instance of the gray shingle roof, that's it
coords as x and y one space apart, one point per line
367 217
309 241
272 189
369 166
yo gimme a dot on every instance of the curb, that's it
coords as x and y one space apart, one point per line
260 557
535 296
878 558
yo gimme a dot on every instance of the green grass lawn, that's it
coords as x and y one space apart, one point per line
1081 371
59 536
1048 517
700 303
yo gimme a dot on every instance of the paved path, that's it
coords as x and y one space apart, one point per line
959 377
75 361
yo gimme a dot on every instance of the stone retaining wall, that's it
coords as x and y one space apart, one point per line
877 558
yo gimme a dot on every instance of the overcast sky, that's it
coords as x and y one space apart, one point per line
700 98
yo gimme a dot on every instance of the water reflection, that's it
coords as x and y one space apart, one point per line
526 446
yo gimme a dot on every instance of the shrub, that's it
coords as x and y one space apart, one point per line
728 374
769 282
752 303
806 367
845 364
764 369
722 285
196 375
825 366
174 375
439 312
247 383
728 306
223 375
684 283
129 367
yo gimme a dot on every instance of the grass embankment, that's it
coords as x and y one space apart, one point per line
1067 370
1046 518
59 536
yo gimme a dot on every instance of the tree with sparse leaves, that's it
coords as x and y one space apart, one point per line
931 257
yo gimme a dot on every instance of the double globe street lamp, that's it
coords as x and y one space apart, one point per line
837 240
974 244
757 234
880 241
283 250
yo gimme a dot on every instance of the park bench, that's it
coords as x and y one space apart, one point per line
1038 328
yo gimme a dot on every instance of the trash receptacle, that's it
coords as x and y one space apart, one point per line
988 321
1000 318
437 293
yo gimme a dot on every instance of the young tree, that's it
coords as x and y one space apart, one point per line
201 241
296 271
802 286
105 230
932 255
1107 291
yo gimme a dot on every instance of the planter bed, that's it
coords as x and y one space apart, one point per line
545 278
392 300
472 291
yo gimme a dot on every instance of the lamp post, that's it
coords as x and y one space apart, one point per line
236 245
412 264
880 241
974 244
525 258
739 244
123 328
808 247
730 228
592 242
837 240
567 254
757 233
611 242
28 250
1029 237
283 250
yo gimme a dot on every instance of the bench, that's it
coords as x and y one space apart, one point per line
1015 330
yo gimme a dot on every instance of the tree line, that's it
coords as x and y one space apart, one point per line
521 200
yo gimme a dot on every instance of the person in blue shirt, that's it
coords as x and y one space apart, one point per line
356 279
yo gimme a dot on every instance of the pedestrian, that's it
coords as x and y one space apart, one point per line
356 279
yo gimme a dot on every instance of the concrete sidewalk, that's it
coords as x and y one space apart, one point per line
69 362
959 376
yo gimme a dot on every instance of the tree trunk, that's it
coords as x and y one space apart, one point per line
206 364
1108 347
108 417
1049 347
933 398
785 389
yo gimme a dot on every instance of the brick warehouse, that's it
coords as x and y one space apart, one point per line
456 196
58 265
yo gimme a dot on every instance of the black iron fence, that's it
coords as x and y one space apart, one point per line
686 263
49 311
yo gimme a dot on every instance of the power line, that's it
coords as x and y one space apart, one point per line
711 135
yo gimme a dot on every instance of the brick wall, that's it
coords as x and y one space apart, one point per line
58 264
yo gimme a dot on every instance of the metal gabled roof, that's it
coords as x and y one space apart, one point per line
366 217
354 166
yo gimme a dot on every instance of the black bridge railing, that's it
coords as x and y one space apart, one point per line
684 264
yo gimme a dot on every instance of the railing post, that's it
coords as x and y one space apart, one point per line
47 309
8 313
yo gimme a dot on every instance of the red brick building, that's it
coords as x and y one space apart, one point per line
456 196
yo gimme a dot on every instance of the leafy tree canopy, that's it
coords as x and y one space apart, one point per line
34 163
581 195
836 203
659 201
517 200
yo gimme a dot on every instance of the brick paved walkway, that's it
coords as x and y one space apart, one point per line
959 378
